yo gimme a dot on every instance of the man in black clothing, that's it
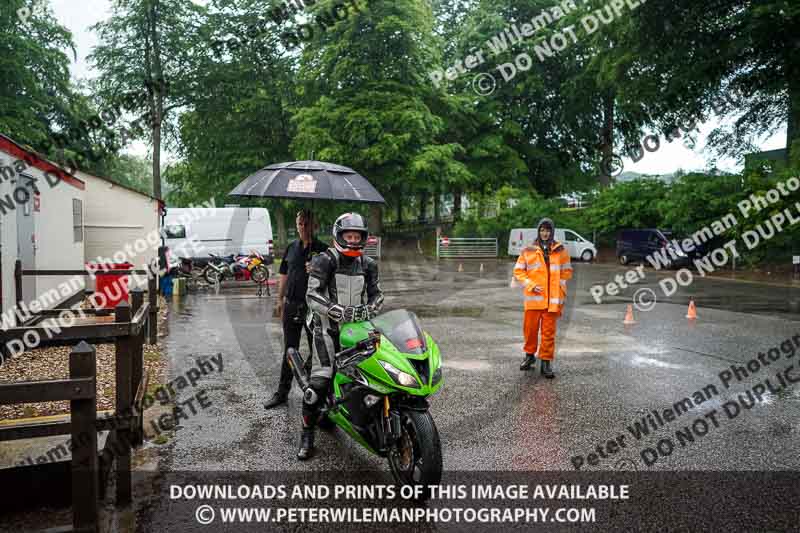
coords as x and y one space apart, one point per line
291 305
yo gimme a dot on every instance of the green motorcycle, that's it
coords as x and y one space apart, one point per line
382 378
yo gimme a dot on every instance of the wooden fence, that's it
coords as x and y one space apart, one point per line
152 294
125 424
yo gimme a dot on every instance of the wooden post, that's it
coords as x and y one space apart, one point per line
18 286
137 367
82 364
122 436
152 297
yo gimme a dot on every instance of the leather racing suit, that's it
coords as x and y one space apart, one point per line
341 289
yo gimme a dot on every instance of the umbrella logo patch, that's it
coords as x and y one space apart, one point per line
302 183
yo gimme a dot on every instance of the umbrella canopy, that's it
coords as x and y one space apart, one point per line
313 180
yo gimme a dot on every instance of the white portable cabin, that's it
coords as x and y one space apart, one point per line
41 224
121 224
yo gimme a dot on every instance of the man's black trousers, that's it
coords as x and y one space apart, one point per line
293 321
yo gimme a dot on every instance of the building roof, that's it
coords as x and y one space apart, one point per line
122 185
33 159
39 161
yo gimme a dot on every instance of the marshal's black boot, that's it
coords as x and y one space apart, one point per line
547 371
528 362
306 444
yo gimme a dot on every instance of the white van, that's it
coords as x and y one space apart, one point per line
577 246
198 233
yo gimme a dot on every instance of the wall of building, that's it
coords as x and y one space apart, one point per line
119 223
56 247
8 240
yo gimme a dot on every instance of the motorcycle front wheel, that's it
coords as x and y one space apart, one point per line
211 275
416 458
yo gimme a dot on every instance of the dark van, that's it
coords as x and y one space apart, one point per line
637 244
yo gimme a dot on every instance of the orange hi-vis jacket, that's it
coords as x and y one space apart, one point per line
531 271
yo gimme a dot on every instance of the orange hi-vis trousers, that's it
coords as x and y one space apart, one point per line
530 328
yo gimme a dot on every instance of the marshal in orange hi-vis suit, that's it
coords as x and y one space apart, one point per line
543 269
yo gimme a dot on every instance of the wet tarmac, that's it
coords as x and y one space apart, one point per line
490 415
621 393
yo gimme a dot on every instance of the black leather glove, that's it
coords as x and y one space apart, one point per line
362 313
349 313
371 312
336 313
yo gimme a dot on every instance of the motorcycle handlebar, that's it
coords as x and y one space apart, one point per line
367 344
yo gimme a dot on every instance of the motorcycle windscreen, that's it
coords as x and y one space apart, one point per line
403 330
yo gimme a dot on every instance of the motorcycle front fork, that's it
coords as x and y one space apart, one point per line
390 425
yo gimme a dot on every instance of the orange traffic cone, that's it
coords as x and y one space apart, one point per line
629 316
692 313
461 267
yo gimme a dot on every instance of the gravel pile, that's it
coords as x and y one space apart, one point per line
53 363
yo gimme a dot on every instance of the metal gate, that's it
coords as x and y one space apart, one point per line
465 248
373 247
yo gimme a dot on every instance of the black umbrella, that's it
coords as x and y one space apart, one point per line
313 180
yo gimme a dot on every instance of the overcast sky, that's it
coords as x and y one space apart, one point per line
79 15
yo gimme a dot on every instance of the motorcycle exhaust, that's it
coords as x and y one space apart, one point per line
297 366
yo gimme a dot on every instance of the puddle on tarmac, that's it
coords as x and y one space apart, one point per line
462 364
601 312
640 361
435 311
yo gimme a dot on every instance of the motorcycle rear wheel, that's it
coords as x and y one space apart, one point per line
416 458
259 274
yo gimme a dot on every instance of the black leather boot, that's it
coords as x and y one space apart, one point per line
306 443
279 398
528 362
547 371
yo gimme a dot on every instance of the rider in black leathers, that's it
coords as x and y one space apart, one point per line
343 287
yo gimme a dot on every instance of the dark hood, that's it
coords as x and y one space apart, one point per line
546 222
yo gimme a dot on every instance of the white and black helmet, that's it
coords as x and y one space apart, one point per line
350 222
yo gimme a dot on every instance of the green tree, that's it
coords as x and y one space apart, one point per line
39 106
633 204
144 58
241 107
132 171
368 104
739 50
696 200
529 110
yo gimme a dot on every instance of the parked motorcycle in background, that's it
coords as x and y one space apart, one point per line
238 268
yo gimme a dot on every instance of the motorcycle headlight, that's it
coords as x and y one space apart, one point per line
437 376
402 378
